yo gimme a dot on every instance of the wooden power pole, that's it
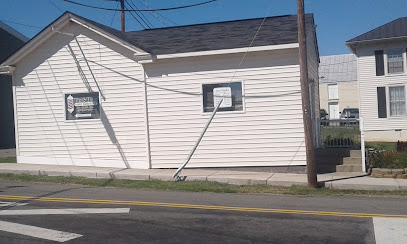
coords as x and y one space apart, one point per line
306 107
122 19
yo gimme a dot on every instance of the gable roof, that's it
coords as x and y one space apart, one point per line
183 39
395 29
338 68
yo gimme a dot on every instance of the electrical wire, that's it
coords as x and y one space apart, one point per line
142 25
138 14
16 23
50 1
114 15
141 15
141 10
153 13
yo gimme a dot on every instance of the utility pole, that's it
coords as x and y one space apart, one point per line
122 20
306 108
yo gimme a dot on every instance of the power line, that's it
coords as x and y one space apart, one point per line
141 15
136 19
141 10
50 1
154 13
138 14
16 23
114 15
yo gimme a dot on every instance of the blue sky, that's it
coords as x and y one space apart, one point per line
337 20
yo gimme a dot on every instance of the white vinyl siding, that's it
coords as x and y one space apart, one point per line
368 83
333 92
118 138
269 132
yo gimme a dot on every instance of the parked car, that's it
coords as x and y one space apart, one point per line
350 113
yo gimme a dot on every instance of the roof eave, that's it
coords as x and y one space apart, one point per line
228 51
53 28
353 44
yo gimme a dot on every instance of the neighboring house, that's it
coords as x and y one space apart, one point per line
90 95
338 84
382 74
10 41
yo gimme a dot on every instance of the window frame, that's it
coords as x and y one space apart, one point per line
389 115
81 120
337 92
223 112
386 66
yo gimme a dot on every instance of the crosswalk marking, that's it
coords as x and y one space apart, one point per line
390 230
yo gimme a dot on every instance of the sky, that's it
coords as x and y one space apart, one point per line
337 20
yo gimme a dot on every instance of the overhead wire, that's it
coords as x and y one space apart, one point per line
142 10
142 16
139 15
16 23
153 13
114 15
142 25
50 1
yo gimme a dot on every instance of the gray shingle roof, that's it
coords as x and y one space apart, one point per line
10 41
396 28
338 68
212 36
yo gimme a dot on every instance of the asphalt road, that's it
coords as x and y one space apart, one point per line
180 217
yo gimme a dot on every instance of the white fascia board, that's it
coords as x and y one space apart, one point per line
35 42
352 45
108 36
229 51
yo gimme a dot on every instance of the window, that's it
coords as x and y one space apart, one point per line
232 96
333 91
395 61
82 106
397 100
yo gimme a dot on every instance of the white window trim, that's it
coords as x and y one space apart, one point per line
223 112
388 101
403 54
337 88
81 120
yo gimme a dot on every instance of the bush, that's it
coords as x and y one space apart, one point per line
388 159
402 146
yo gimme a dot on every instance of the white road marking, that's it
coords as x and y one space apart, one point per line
38 232
65 211
388 230
6 204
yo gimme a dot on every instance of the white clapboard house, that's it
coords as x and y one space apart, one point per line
89 95
382 76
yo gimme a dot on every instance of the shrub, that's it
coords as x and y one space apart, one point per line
388 159
402 146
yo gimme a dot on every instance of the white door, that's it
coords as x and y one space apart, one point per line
333 111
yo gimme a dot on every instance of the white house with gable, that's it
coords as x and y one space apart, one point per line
89 95
382 76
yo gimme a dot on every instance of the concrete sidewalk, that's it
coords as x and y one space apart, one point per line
357 181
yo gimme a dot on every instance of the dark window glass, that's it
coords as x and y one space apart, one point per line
395 61
232 102
82 106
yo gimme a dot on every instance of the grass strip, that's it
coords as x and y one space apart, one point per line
8 160
195 186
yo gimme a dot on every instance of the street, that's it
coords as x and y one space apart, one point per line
45 213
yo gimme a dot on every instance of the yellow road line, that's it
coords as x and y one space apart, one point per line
196 206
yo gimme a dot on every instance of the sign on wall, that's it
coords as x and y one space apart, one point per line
81 106
225 93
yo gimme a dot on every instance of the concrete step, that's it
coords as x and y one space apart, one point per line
356 153
352 160
349 168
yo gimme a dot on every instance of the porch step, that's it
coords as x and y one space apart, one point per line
349 168
356 153
352 160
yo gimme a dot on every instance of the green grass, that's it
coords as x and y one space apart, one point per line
194 186
8 160
381 145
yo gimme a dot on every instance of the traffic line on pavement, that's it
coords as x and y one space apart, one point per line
65 211
47 234
11 204
196 206
390 230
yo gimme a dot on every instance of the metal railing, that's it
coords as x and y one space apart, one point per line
340 133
